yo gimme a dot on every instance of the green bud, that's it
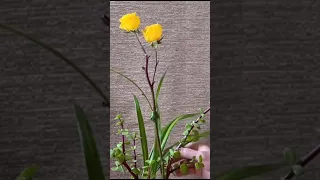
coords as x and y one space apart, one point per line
200 158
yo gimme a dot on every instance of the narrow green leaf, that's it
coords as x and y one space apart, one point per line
160 85
59 55
133 84
249 171
165 133
28 173
92 158
144 142
157 100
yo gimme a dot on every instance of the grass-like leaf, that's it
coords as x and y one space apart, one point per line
126 77
28 173
249 171
144 141
59 55
88 142
160 85
165 133
157 104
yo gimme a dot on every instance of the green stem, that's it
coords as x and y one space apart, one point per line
58 54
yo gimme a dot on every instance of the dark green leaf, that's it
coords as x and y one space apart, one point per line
249 171
144 142
92 158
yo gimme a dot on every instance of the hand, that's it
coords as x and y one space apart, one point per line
196 149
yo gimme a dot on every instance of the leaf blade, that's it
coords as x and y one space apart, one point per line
92 157
144 142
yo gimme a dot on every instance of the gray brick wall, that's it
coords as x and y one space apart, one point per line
265 83
38 124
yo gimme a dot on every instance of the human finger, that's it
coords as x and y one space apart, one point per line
188 153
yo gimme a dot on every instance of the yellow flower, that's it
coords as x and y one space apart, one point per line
152 33
130 22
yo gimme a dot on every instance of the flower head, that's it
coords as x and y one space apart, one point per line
152 33
130 22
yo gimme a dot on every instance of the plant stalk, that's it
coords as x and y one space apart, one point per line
125 162
186 136
304 161
151 85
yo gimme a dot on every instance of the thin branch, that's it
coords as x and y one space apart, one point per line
177 168
192 126
144 51
304 161
155 67
134 151
124 152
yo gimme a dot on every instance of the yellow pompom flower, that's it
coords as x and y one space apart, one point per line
130 22
153 33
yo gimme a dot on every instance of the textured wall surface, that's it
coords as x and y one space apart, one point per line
185 52
265 83
37 120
